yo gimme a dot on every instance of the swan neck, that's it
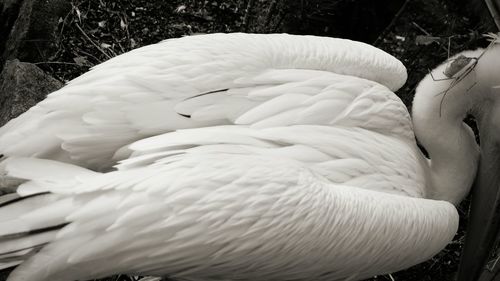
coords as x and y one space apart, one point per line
451 146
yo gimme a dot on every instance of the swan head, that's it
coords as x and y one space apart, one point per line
469 83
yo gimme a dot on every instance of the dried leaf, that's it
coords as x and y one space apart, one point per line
82 61
150 279
492 37
105 46
426 40
78 14
400 38
122 24
180 8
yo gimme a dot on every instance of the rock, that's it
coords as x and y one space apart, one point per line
22 85
32 37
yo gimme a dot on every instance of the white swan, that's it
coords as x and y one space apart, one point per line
292 160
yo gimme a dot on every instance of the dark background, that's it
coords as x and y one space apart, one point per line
63 39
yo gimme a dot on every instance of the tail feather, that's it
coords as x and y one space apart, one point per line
20 254
42 169
32 217
8 264
14 207
15 258
25 227
8 197
28 176
20 248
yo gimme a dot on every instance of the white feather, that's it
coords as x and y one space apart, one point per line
141 91
294 161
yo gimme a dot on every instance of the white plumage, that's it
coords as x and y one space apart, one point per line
237 157
140 94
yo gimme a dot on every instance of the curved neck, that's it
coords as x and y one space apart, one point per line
451 145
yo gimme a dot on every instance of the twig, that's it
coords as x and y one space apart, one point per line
391 24
420 28
91 41
428 34
64 24
126 25
269 15
121 47
247 14
61 62
77 53
494 263
278 23
112 51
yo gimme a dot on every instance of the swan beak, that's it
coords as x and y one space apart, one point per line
483 230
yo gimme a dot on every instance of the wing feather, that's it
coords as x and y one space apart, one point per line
153 90
254 215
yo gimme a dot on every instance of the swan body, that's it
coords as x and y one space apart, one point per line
230 157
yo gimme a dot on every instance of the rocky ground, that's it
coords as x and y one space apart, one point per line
66 38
